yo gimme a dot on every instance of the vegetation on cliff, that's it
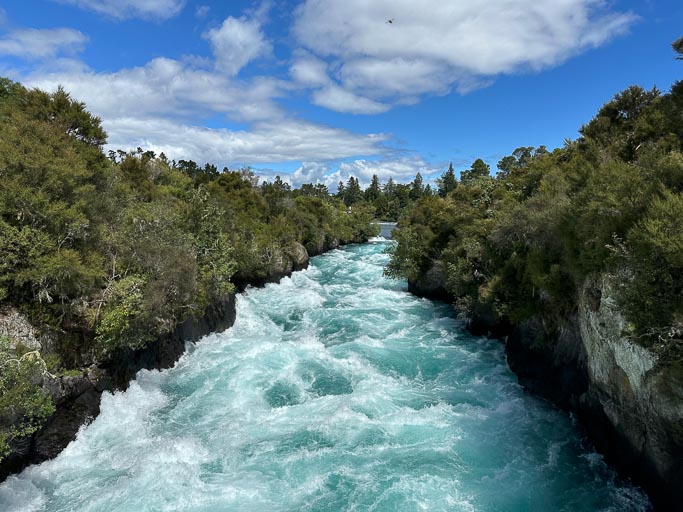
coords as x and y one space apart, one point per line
112 251
522 243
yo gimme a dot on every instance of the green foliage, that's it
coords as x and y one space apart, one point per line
480 169
653 290
123 323
448 182
524 243
627 122
24 406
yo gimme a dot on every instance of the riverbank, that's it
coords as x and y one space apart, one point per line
77 397
334 390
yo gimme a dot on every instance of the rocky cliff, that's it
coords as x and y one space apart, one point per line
638 395
628 401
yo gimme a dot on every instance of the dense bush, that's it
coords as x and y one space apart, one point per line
23 403
523 243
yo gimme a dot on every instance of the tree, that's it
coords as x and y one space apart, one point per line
317 190
390 188
416 188
478 170
625 123
373 191
249 176
519 158
447 183
340 190
281 186
71 116
353 193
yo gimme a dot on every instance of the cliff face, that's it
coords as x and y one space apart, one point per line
630 405
77 398
640 397
628 401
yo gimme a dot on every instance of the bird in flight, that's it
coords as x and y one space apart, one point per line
391 20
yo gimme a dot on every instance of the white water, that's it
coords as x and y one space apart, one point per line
335 390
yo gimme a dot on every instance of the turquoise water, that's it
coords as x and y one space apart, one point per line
335 390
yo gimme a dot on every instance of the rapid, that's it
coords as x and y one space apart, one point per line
335 390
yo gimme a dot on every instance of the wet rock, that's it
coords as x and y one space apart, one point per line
639 400
431 284
630 406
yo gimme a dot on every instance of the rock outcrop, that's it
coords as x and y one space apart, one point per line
431 283
629 404
637 397
282 263
17 328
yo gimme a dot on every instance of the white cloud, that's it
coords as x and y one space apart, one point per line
201 11
401 170
432 46
236 43
160 105
309 70
124 9
342 100
166 87
34 43
285 141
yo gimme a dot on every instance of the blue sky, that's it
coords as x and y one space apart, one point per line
317 90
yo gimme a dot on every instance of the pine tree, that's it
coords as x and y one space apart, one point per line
373 192
447 183
416 188
353 192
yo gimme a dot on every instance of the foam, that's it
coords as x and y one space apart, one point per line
334 390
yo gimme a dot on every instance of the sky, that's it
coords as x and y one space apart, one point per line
318 90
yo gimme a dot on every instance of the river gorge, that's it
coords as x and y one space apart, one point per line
334 390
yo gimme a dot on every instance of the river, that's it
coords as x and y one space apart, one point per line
335 390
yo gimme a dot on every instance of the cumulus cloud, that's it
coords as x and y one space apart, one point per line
401 170
312 72
166 87
309 70
288 140
432 46
124 9
343 100
160 105
236 43
34 43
